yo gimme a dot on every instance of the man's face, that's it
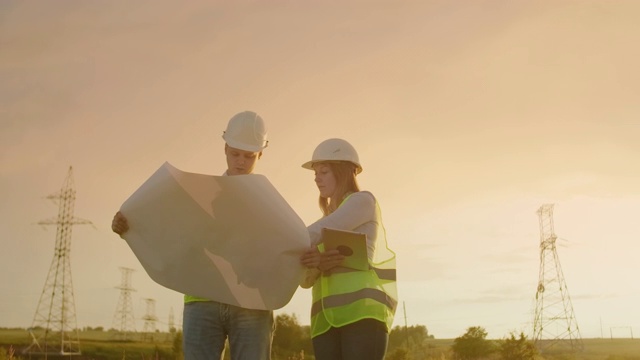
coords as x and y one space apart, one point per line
240 162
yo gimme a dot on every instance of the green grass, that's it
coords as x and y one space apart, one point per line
102 345
610 349
594 349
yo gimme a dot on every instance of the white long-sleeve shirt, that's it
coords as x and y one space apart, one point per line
358 213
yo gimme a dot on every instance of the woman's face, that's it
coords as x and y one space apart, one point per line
325 180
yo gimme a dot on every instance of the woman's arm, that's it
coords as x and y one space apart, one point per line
357 210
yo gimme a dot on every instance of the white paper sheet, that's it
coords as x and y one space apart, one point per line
232 239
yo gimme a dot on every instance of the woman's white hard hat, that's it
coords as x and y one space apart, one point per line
334 150
246 131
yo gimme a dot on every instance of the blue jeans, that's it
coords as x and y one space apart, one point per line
363 340
207 324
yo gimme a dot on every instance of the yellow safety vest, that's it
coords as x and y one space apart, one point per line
344 296
191 298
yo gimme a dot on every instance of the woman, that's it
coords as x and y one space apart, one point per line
352 310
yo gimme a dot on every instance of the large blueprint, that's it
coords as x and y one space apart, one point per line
232 239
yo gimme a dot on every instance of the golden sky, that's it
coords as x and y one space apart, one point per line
467 115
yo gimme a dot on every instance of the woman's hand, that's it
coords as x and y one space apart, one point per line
119 225
317 262
330 259
311 258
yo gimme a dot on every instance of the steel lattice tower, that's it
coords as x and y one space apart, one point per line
554 323
171 325
172 322
54 329
150 320
123 320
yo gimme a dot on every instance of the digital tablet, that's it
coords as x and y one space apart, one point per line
352 245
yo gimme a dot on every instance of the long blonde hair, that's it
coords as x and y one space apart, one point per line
346 183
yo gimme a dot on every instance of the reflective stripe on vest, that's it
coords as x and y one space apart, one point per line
383 274
344 299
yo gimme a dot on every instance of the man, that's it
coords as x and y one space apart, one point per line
207 323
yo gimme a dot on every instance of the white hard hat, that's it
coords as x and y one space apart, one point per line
246 131
334 150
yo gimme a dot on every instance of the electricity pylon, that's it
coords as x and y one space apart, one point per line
171 325
54 329
123 320
554 322
172 322
150 320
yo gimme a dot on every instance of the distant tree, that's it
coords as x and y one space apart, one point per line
289 337
411 339
399 353
517 348
472 345
288 332
413 342
176 349
402 335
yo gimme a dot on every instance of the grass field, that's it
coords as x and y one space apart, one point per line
102 345
608 349
594 349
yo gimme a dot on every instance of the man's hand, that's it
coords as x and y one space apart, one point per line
119 225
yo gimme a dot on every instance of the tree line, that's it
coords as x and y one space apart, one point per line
292 341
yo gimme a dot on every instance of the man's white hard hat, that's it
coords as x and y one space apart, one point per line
246 131
334 150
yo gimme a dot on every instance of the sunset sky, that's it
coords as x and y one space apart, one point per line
467 115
